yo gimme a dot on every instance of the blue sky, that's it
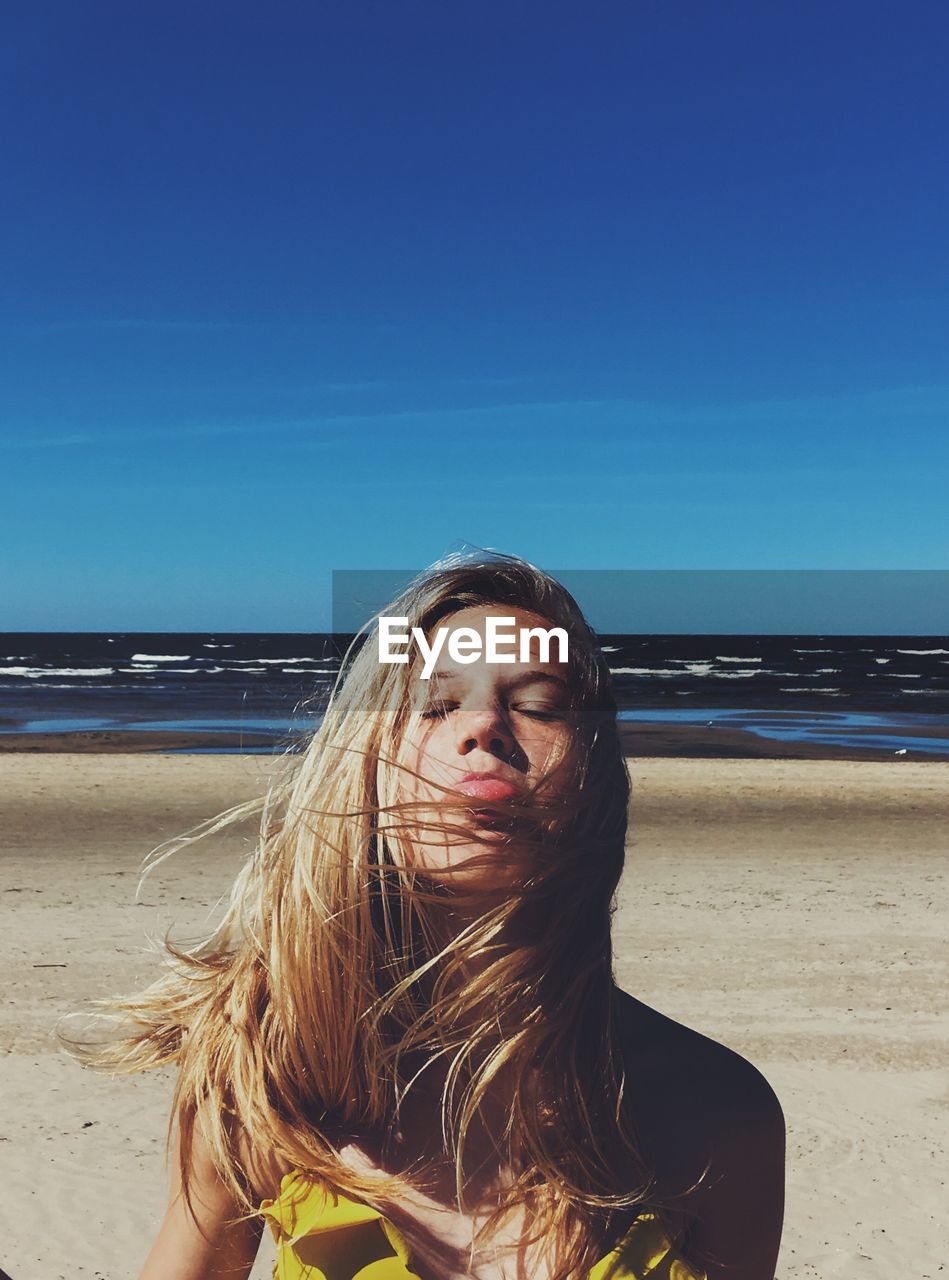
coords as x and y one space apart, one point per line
317 286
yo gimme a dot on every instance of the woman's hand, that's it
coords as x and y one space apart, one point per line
203 1242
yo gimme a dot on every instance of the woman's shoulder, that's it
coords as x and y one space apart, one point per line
712 1131
690 1069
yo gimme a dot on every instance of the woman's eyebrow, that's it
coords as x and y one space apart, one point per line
528 677
537 677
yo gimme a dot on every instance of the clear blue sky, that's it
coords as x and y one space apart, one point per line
297 287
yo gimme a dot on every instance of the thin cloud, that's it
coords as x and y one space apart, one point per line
50 328
122 440
622 413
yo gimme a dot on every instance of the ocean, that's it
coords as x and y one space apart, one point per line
264 692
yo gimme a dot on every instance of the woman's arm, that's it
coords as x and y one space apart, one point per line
206 1244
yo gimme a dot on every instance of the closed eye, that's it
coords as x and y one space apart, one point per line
538 713
435 710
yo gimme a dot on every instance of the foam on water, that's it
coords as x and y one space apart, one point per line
36 673
160 657
169 680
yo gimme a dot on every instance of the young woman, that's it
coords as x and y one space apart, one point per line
403 1050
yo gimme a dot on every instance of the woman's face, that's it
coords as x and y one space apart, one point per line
488 732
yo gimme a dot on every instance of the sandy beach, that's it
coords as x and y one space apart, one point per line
794 909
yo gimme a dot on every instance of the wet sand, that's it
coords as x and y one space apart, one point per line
644 739
794 909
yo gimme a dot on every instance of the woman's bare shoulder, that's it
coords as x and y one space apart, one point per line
713 1132
689 1068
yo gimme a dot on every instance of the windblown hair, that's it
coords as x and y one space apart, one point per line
332 986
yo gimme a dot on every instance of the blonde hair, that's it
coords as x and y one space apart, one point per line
329 988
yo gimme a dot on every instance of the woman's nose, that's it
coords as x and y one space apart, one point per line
486 729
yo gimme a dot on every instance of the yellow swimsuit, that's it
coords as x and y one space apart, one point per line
325 1236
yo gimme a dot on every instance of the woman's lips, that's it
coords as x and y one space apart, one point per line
486 786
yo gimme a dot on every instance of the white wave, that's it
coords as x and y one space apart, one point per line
57 686
645 671
217 646
693 669
68 686
273 662
314 671
821 651
720 658
37 673
881 661
160 657
609 648
903 675
827 671
145 668
798 689
922 651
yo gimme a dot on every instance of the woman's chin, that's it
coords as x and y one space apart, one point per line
477 866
